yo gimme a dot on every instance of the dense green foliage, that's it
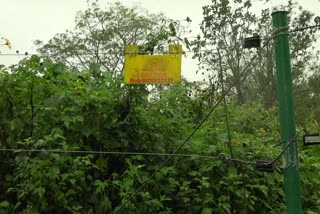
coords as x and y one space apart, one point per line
45 105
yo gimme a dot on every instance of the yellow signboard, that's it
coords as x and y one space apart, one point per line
152 69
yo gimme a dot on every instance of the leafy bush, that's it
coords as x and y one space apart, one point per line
46 106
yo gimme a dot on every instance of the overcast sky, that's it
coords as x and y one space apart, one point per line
23 21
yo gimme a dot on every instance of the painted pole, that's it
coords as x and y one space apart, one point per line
286 112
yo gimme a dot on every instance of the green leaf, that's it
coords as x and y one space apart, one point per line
172 29
207 211
187 43
40 191
100 185
72 181
4 204
66 123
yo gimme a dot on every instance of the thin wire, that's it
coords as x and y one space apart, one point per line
104 152
7 54
221 156
287 146
304 28
105 53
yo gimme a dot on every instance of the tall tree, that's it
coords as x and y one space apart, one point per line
100 36
224 27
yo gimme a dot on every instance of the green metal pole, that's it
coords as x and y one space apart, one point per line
286 112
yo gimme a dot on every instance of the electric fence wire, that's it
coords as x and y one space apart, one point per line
220 156
304 28
243 71
293 139
106 153
105 53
